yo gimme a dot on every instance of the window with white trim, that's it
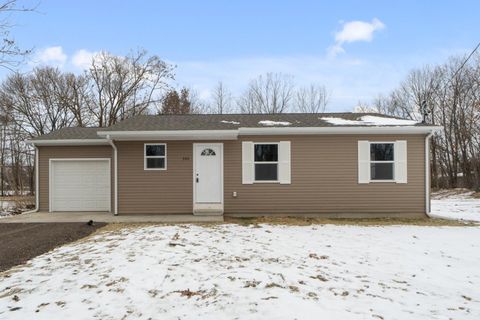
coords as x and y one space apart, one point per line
382 161
266 161
155 156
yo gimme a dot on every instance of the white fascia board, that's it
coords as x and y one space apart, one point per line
172 135
68 142
339 130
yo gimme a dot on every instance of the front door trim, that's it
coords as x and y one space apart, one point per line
207 208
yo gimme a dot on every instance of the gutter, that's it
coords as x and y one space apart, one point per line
427 174
245 131
171 135
67 142
115 169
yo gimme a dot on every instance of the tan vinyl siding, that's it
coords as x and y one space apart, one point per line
47 153
325 179
155 191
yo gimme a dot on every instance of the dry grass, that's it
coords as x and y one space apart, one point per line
21 202
300 221
452 193
297 221
18 198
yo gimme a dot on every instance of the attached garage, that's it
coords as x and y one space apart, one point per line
80 184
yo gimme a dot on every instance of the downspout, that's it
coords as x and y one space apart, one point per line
115 183
427 174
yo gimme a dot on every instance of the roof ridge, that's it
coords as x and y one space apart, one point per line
252 114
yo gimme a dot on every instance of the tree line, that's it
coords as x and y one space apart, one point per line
115 88
448 95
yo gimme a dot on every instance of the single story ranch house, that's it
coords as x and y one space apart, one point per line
330 164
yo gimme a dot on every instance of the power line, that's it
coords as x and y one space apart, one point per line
423 105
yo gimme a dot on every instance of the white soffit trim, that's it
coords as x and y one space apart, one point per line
232 134
172 135
68 142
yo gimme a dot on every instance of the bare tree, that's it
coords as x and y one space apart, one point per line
451 93
48 99
312 99
10 52
38 102
122 87
222 99
270 93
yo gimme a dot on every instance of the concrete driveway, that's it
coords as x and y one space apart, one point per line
48 217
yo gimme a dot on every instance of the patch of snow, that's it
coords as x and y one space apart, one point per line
7 208
230 122
461 205
273 123
369 121
267 271
342 122
383 121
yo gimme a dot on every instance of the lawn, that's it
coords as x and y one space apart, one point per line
282 270
250 272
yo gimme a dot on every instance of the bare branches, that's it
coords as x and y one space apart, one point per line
222 99
451 92
312 99
47 99
125 86
271 93
38 102
11 55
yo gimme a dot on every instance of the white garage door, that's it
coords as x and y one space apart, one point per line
80 185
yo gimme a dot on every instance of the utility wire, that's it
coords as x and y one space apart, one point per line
435 90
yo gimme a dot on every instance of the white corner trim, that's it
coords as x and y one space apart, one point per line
68 142
115 176
37 183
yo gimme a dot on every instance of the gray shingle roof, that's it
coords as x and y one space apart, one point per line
214 122
231 121
71 133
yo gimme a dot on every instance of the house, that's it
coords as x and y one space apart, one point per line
331 164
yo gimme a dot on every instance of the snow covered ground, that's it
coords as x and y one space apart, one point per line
256 272
456 204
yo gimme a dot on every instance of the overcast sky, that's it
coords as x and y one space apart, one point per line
357 49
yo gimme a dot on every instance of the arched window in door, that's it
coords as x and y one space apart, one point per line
208 152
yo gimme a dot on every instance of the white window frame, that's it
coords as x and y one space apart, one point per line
381 161
145 157
266 162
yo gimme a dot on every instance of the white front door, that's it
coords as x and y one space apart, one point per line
208 173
